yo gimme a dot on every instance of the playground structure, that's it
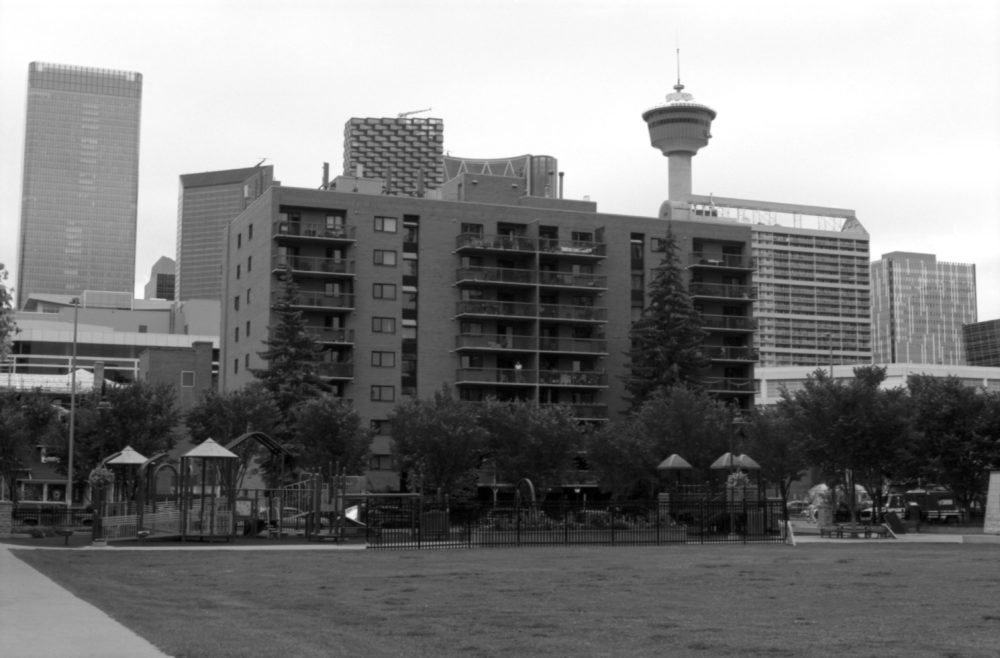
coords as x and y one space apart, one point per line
205 501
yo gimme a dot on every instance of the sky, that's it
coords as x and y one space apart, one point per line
889 108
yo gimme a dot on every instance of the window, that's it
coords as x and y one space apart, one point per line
236 335
473 229
239 240
383 291
236 303
385 257
246 361
236 366
248 295
582 236
383 359
250 232
385 224
143 328
187 378
658 244
380 426
383 325
383 393
248 329
249 263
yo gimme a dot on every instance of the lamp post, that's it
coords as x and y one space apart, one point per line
72 407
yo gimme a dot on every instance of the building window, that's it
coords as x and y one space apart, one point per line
658 244
239 240
472 229
385 224
383 393
248 295
237 270
236 366
380 427
247 333
249 264
246 361
383 291
236 303
250 232
385 257
383 325
236 335
143 328
383 359
187 378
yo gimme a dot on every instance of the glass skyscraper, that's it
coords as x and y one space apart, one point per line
81 177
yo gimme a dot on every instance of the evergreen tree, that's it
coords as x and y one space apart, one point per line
667 339
7 325
291 355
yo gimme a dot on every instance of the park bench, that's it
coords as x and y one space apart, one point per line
854 531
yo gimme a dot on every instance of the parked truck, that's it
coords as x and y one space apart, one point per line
934 505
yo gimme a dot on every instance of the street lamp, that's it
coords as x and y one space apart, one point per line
72 406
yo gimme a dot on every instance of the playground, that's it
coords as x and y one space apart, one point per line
839 598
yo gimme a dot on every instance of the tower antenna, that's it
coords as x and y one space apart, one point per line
678 86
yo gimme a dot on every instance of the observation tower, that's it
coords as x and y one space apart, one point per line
679 127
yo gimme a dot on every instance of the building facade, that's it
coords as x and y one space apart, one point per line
161 280
529 300
982 343
919 305
405 152
80 181
208 202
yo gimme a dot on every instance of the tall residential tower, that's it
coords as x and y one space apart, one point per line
405 153
81 180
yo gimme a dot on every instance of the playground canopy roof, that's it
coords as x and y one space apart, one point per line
209 449
127 457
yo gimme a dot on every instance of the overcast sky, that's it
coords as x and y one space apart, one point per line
889 108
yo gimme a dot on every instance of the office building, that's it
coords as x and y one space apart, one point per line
161 280
982 343
80 181
919 305
404 152
208 202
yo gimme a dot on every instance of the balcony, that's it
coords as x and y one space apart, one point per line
588 411
573 313
731 353
332 336
496 275
573 378
318 265
313 232
735 323
722 291
577 249
495 342
496 308
319 301
701 259
495 376
728 385
476 242
571 280
335 370
574 345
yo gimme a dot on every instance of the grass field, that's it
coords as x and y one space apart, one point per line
875 599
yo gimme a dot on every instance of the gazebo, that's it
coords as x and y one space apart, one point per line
208 498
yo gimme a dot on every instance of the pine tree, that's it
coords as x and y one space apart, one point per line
291 355
667 339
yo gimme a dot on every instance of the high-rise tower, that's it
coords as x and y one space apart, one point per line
81 181
679 127
404 151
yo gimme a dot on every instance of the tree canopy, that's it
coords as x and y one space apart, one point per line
666 341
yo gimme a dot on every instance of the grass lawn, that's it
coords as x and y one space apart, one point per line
877 599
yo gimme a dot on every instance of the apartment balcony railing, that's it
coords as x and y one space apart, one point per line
572 378
727 291
335 370
320 300
728 384
587 248
584 345
566 312
318 264
506 243
729 353
728 323
313 230
326 335
495 376
728 261
497 308
494 342
498 275
571 280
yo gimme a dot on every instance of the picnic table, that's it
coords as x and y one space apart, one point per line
842 530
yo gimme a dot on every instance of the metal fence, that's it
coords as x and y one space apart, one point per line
25 517
414 523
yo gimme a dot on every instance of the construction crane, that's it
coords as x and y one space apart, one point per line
403 115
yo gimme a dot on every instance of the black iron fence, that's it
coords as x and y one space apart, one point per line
413 523
24 518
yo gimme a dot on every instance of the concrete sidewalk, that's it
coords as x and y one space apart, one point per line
39 618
